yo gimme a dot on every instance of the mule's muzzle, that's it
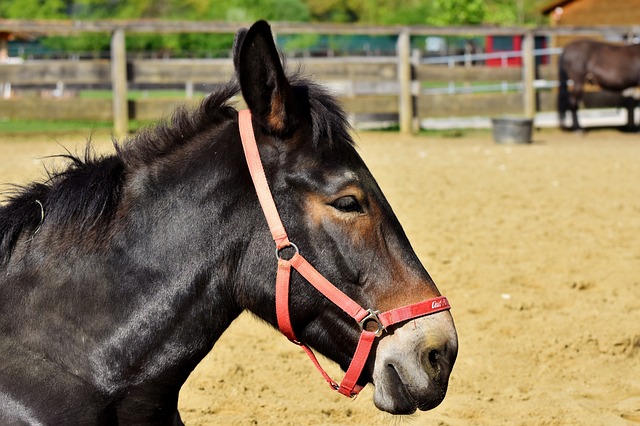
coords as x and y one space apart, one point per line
413 365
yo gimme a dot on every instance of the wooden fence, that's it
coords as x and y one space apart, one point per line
366 85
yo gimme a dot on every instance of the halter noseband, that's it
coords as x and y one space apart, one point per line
364 317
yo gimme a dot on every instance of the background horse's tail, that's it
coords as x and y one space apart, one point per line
563 92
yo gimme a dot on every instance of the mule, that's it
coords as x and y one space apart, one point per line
612 67
118 274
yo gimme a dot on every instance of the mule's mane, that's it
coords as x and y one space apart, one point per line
328 120
329 123
157 142
87 193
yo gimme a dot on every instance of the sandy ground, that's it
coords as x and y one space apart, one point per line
537 248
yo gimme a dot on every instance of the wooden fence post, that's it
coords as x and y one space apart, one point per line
415 90
119 83
405 99
528 75
4 46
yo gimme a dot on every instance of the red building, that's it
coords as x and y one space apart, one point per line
511 46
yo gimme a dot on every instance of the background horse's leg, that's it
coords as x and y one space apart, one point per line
574 101
563 94
630 103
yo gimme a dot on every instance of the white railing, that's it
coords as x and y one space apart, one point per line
453 87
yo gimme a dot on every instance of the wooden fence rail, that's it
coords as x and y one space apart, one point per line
366 85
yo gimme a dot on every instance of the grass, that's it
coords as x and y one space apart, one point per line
62 126
85 126
138 94
46 126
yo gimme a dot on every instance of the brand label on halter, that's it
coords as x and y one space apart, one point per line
442 303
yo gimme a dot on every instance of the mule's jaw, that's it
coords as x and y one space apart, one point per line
413 365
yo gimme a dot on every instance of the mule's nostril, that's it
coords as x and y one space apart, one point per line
434 357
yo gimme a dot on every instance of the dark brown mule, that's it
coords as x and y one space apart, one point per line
612 67
119 274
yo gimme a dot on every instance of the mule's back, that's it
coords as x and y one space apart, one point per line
611 66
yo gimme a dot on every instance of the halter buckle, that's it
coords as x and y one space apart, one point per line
372 316
280 251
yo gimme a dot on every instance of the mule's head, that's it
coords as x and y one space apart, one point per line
336 214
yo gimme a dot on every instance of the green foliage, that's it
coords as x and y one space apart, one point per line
382 12
431 12
335 10
175 44
33 9
398 12
272 10
458 12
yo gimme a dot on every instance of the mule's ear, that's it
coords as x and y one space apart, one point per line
237 42
264 85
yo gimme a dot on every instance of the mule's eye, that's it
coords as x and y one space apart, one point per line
347 204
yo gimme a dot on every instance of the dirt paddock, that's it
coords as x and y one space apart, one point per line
537 248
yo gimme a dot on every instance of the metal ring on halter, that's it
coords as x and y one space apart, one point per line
279 250
373 316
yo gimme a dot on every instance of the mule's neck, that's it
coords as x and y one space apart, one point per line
186 250
148 302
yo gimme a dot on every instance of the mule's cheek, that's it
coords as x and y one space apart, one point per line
413 364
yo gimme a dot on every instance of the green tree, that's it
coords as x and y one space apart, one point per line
457 12
335 10
405 12
379 12
33 9
192 44
397 12
515 12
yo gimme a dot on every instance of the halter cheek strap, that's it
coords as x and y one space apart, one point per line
364 317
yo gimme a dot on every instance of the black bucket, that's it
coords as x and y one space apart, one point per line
512 130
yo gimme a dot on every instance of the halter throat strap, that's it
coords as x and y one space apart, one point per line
364 317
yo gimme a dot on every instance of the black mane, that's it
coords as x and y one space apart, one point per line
328 119
166 137
84 194
87 193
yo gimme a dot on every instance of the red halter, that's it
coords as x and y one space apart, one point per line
362 316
